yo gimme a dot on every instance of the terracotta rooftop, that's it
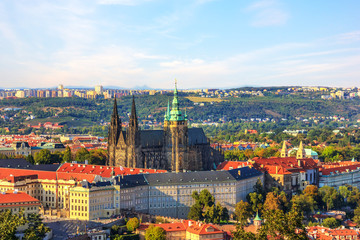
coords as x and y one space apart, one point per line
284 165
339 167
228 165
19 197
328 233
10 174
104 171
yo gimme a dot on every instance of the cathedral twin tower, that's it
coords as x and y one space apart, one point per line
175 148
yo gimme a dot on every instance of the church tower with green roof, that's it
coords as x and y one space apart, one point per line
175 148
176 135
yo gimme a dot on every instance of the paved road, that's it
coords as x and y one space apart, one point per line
63 228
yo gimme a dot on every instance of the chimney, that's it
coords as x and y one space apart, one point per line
299 163
276 170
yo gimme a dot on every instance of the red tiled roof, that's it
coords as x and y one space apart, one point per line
339 167
19 197
227 165
186 225
284 165
203 229
328 233
104 171
11 173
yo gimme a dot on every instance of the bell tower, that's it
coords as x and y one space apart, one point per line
176 135
284 152
300 152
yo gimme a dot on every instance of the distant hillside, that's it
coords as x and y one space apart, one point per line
153 108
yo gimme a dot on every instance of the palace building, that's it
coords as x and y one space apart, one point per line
175 148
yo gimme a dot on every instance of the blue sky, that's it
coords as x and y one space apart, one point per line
201 43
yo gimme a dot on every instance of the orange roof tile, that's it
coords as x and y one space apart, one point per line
19 197
104 171
227 165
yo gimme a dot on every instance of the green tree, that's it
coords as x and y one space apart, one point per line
304 202
36 230
242 212
155 233
204 208
330 223
256 201
81 155
9 223
132 224
330 197
279 225
195 212
356 217
43 157
241 234
67 157
30 159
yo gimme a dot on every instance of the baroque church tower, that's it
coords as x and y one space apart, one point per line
300 154
284 151
176 135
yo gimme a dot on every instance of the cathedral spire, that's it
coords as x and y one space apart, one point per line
133 121
113 136
115 111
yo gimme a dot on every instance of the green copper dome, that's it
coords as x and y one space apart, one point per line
257 218
175 113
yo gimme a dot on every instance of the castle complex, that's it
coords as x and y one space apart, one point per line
175 148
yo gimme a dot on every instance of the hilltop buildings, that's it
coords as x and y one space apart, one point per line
174 148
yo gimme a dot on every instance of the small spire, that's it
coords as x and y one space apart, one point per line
115 112
133 118
257 218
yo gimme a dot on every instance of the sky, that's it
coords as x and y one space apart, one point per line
201 43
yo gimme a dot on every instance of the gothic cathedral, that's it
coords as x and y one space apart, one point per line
175 148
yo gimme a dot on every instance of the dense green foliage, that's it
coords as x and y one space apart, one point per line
79 112
155 233
205 209
9 222
132 224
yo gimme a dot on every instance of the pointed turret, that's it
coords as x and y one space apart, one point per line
257 221
133 121
113 136
300 152
175 114
284 152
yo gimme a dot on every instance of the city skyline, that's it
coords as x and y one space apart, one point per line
202 43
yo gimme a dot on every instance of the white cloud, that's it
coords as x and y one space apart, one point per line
268 13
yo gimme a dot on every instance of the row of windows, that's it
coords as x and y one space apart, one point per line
79 208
